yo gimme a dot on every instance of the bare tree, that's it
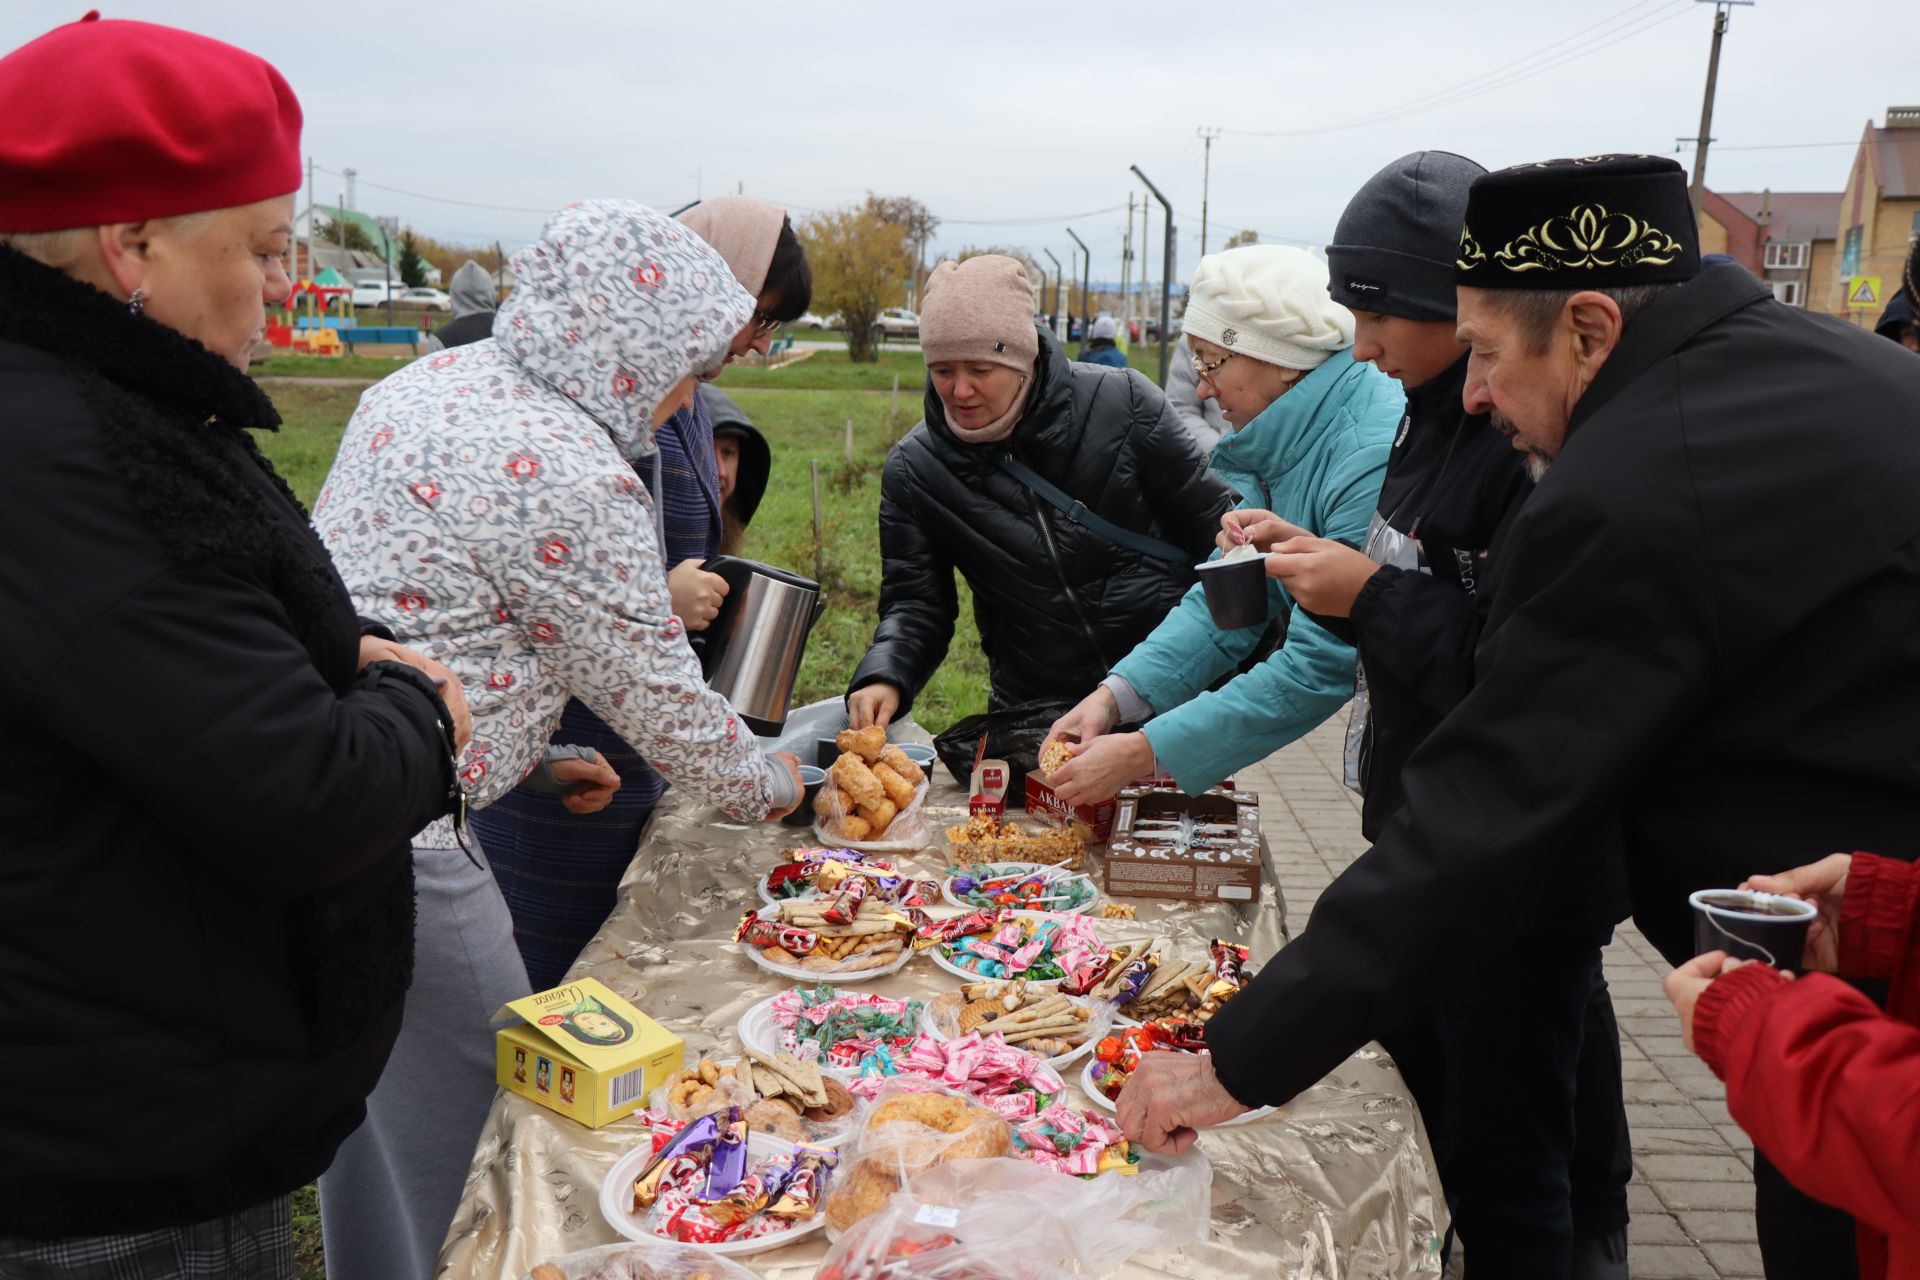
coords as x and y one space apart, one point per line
918 224
1246 235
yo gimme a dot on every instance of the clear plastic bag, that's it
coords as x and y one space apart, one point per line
908 1128
908 831
1010 1220
628 1261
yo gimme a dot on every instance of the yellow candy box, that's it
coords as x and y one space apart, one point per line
584 1052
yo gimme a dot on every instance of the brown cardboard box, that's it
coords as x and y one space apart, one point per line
1138 866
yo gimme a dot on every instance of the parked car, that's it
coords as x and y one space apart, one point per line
429 299
373 293
811 321
896 322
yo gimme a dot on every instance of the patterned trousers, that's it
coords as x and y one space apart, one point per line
254 1244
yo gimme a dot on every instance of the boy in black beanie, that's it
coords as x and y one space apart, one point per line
1494 1066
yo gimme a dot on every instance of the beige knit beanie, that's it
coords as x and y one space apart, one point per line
980 311
1269 302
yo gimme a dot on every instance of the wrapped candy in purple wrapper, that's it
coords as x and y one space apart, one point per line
807 1189
728 1164
755 1191
695 1142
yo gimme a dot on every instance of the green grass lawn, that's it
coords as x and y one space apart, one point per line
801 426
327 366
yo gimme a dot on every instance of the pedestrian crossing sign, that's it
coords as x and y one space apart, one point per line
1863 291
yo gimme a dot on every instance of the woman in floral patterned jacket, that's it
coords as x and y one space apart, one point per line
484 506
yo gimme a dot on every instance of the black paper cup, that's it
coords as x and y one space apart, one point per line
1751 926
825 752
1236 591
811 780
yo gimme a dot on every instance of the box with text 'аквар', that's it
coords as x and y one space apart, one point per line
584 1052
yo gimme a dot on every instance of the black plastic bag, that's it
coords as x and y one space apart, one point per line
1014 734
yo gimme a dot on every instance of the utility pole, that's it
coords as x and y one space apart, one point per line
1126 269
352 197
1206 180
1055 319
1166 275
313 215
1086 284
1698 188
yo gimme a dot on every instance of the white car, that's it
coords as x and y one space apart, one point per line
430 299
897 322
373 293
811 320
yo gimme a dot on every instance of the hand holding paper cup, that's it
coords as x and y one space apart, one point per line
1236 587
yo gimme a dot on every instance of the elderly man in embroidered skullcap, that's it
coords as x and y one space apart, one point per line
1702 634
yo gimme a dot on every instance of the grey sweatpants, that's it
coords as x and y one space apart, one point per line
386 1203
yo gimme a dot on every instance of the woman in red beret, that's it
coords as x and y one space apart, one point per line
209 768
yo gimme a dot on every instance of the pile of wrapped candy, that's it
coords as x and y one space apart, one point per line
1116 1056
1038 947
1021 885
809 873
1197 998
842 1029
1139 984
1073 1141
1010 1083
702 1186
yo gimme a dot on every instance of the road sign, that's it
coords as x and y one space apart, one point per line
1863 292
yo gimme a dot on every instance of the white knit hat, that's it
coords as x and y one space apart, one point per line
1270 302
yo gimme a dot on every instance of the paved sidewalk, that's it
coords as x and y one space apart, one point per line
1692 1192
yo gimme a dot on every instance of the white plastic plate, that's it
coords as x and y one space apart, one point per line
1101 1100
756 955
1017 868
616 1201
758 1030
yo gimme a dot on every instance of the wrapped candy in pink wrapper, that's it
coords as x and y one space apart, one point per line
1091 1134
989 1070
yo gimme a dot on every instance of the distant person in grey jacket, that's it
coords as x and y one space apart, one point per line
474 299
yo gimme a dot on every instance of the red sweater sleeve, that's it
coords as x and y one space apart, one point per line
1877 917
1826 1084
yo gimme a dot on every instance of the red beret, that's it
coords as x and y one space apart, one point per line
122 121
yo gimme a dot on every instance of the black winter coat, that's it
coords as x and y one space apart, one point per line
1705 628
1452 483
1056 604
205 810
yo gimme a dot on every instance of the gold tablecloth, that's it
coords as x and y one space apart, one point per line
1336 1186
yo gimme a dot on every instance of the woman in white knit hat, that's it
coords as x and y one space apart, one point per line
1311 432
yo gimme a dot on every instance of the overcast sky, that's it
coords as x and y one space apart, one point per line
1014 121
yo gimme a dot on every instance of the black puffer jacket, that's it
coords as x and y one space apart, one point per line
205 808
1056 604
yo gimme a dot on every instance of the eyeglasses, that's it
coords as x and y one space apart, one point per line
1203 370
764 324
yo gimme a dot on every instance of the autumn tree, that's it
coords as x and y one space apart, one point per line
413 269
1246 235
916 221
859 259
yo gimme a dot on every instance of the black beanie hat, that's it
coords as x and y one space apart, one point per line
1394 249
1602 222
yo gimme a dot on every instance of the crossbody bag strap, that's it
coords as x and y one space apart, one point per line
1096 524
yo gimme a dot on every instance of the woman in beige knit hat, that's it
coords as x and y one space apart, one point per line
1067 495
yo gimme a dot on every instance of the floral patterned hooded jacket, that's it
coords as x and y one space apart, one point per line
484 506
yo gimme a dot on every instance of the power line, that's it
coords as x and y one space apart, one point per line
1509 73
419 195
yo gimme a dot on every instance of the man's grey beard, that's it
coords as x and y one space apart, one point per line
1537 467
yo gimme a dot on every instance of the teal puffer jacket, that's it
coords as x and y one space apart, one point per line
1316 457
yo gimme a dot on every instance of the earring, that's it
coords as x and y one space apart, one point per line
137 302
